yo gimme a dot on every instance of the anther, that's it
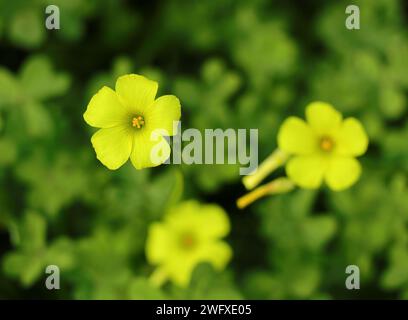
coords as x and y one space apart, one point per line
138 122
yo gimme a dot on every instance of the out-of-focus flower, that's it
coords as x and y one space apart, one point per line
191 233
323 148
132 123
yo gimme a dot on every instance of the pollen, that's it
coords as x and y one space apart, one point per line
138 122
188 241
326 144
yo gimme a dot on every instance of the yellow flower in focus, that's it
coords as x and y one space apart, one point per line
132 123
190 233
323 148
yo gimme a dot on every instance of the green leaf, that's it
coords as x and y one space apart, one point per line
262 285
39 79
25 267
61 253
141 289
8 151
396 275
318 230
27 28
32 232
392 102
206 283
10 91
37 119
304 281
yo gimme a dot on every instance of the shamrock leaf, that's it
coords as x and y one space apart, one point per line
40 81
28 261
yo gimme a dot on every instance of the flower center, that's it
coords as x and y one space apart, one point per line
188 241
138 122
326 144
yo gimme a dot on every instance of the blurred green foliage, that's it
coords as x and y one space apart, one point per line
233 64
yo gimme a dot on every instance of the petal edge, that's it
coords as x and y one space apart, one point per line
296 137
137 92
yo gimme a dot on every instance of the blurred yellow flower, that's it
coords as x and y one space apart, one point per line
191 233
323 148
132 122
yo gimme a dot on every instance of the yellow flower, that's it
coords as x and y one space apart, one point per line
191 233
132 123
323 148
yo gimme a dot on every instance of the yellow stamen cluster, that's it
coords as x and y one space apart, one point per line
326 144
138 122
187 241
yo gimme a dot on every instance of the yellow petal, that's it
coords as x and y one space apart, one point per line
183 216
158 243
105 110
162 113
180 269
217 253
307 171
136 92
213 222
208 221
342 173
296 137
351 139
323 118
149 150
112 146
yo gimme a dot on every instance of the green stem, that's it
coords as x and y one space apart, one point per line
277 186
270 164
158 277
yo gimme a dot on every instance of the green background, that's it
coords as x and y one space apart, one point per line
233 64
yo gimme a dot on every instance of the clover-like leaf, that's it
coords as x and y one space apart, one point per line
40 80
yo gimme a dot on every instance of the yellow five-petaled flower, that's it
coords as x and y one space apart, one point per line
191 233
323 148
132 122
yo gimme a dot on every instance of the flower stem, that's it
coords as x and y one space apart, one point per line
270 164
158 277
277 186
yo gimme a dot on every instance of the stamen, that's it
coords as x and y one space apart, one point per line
187 241
326 144
138 122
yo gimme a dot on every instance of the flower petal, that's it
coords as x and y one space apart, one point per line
149 150
181 267
351 139
323 118
214 222
162 113
158 243
342 173
183 216
218 253
136 92
307 171
296 137
208 221
105 110
112 146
